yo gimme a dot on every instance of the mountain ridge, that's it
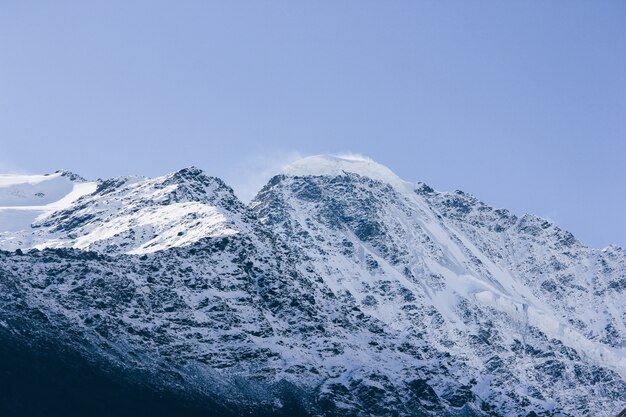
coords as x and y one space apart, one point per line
352 295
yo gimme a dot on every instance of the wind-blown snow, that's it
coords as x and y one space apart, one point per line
329 165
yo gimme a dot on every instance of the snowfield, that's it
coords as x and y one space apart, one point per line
24 199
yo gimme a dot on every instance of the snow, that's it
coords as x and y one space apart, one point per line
330 165
421 247
164 226
135 215
32 190
485 268
25 199
602 354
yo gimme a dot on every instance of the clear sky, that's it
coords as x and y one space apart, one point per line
521 103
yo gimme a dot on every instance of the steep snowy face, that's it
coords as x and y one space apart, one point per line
584 288
137 215
410 261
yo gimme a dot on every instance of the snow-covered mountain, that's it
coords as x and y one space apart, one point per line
128 214
339 290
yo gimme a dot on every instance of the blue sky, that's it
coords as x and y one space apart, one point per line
522 103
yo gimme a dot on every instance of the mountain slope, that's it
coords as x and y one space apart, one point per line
340 290
26 198
397 245
138 215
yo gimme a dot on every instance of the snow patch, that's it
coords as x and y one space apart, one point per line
32 190
25 199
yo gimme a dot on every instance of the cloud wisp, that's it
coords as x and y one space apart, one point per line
250 175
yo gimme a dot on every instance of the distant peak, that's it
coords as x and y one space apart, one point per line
194 177
188 173
70 175
191 170
332 166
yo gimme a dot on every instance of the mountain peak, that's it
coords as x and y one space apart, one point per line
70 175
332 165
191 175
190 171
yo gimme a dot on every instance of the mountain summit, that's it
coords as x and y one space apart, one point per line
339 290
329 165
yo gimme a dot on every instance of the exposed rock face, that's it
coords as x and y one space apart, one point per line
340 290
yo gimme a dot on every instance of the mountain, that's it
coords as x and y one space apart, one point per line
135 215
339 290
